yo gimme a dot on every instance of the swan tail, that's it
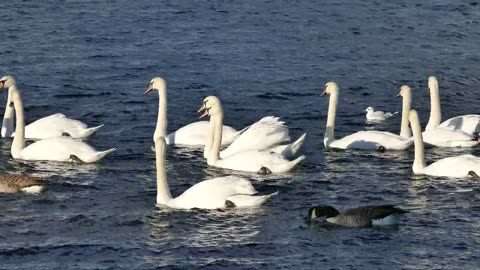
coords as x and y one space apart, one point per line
287 167
292 149
105 153
96 157
89 132
474 175
248 200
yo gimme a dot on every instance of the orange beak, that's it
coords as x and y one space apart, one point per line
2 84
149 89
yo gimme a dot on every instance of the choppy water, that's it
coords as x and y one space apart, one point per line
93 59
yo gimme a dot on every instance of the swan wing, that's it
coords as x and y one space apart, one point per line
267 132
448 137
468 123
54 125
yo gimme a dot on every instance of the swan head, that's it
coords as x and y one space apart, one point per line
432 84
325 211
156 83
405 91
211 106
330 88
7 81
369 109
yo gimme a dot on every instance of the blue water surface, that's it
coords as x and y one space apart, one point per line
92 60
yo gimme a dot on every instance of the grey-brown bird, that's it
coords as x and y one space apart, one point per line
21 183
372 215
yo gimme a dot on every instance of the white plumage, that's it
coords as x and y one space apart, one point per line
377 116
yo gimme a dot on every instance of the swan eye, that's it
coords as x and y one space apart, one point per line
3 81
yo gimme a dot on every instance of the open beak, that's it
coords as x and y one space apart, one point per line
11 104
149 89
203 108
324 92
205 113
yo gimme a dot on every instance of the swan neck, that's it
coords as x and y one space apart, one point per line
406 106
435 109
419 161
332 112
8 116
215 137
161 128
163 190
19 140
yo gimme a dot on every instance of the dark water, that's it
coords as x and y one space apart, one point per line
93 59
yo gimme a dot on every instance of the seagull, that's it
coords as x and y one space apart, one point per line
373 115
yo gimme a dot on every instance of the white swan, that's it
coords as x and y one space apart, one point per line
209 194
54 149
249 160
267 134
363 140
377 116
440 136
191 134
55 125
470 124
458 167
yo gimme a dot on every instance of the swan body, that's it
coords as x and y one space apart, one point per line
61 149
366 216
255 160
377 116
469 124
456 167
191 134
20 183
209 194
53 149
196 134
55 125
372 140
247 160
362 140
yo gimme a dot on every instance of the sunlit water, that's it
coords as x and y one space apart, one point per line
92 60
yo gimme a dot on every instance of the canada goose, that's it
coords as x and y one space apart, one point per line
366 216
17 183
